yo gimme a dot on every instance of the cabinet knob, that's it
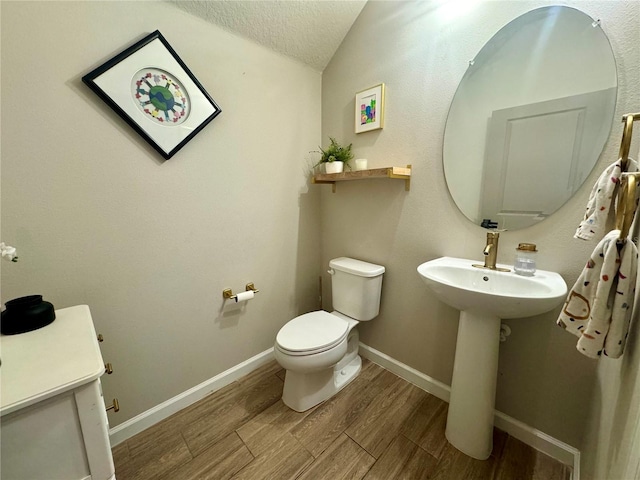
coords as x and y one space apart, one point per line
115 406
108 368
100 338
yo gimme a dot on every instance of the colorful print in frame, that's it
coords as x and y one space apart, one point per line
369 114
152 89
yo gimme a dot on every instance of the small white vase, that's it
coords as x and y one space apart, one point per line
334 167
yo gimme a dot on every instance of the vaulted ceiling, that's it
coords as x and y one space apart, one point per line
307 30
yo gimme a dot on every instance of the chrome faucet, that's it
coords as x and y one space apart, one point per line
491 253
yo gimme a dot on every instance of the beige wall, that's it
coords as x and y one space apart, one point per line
99 219
611 449
420 50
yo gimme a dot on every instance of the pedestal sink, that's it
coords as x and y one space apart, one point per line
484 297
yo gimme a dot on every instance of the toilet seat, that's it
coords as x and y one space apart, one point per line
311 333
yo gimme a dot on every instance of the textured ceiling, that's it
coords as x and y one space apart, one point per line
307 30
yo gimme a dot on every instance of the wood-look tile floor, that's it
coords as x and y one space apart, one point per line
378 427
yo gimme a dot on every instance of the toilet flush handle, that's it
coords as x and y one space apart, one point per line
331 271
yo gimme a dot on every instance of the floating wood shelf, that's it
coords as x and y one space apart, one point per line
400 173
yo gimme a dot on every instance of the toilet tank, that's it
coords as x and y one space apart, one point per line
356 287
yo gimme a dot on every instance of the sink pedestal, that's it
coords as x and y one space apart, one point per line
473 387
483 296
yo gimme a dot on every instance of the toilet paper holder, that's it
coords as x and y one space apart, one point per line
228 293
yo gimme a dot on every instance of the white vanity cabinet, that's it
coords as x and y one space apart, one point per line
53 421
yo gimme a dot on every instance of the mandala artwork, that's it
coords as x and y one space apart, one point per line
160 96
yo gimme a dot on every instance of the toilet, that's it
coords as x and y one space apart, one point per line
319 350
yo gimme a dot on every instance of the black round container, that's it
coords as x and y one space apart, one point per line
25 314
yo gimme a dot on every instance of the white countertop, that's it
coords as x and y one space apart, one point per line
51 360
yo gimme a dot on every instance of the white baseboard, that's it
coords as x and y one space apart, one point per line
547 444
553 447
131 427
419 379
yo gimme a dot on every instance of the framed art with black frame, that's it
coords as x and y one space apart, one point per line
153 90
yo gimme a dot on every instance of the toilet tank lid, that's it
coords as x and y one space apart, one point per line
356 267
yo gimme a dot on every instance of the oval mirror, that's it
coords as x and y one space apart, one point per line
530 118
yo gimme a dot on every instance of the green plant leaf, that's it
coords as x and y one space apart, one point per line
335 153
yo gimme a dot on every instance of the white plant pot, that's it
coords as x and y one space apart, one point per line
334 167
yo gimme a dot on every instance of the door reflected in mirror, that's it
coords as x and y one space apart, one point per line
530 118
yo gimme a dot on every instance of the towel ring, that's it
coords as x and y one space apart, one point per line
626 205
625 145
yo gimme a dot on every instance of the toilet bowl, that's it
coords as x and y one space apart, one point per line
317 369
319 350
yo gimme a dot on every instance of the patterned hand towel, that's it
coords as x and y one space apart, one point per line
586 306
623 302
601 201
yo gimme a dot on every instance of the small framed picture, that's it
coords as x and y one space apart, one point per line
370 109
152 89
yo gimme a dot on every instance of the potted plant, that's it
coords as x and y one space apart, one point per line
335 157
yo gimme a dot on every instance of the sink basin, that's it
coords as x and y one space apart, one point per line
503 294
483 297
